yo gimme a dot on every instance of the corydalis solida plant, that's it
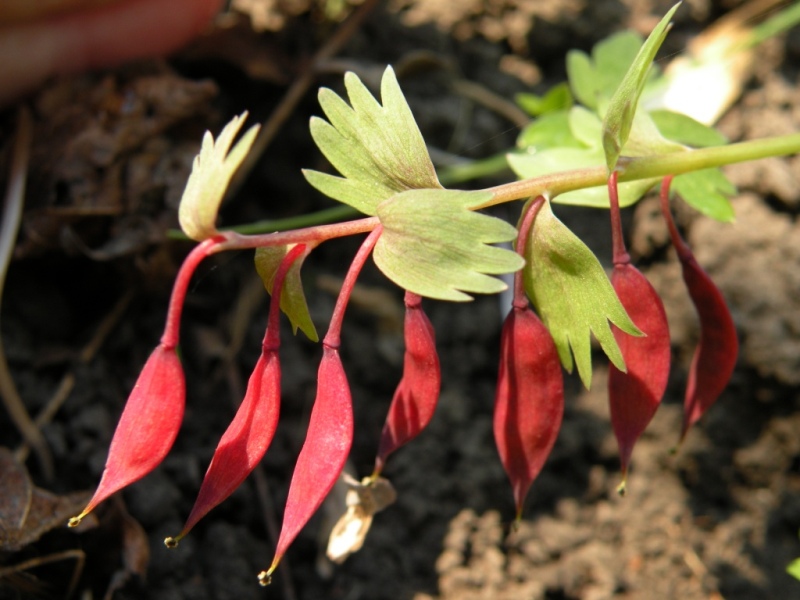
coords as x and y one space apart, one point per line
435 243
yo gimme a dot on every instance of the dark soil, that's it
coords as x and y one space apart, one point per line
112 152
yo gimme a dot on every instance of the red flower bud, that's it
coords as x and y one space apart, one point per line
147 428
415 399
529 402
635 396
244 443
247 438
715 357
323 456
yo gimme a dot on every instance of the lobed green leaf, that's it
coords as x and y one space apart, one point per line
571 292
434 245
377 148
708 191
293 299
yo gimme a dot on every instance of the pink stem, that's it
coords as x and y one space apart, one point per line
520 297
680 246
272 338
621 256
412 300
332 338
173 325
306 235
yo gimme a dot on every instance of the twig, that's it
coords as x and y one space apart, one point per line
88 352
12 215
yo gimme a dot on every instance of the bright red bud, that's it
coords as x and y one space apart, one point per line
715 357
244 443
529 402
635 396
147 428
417 394
324 453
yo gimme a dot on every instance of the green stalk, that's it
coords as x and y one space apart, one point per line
645 167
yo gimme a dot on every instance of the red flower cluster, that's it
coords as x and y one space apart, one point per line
529 401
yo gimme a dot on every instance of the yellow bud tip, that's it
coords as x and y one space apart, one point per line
264 579
75 521
172 542
622 488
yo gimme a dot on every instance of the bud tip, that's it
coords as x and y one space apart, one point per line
172 542
264 578
75 521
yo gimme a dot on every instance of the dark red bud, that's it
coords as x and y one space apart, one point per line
715 357
147 428
415 399
529 402
635 396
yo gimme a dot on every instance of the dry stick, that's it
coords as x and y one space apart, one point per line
12 215
297 91
86 355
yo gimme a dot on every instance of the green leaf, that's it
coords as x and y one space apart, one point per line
293 300
557 98
594 79
554 160
685 130
622 106
211 173
571 292
548 131
794 568
435 246
708 191
378 149
582 82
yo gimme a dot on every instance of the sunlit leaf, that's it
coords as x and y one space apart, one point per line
708 191
573 295
548 131
685 130
435 246
557 98
211 173
377 148
622 106
293 299
594 79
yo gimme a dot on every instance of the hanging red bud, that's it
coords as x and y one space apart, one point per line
247 438
244 443
147 428
635 395
715 357
417 394
529 402
330 428
323 456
